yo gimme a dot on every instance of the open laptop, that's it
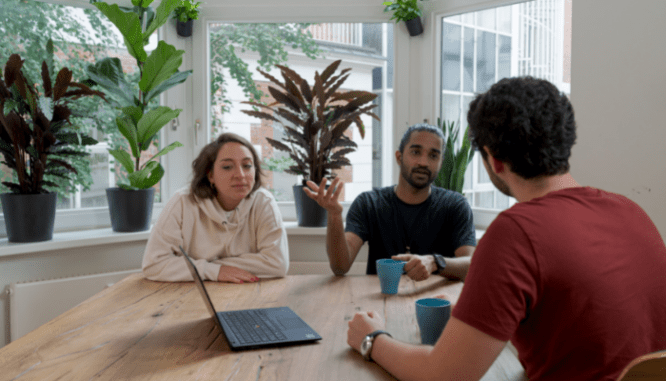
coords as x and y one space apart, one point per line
255 328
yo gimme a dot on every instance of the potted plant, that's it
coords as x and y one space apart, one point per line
130 204
184 15
455 159
407 11
36 141
315 119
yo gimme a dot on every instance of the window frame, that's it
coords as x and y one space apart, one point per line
413 55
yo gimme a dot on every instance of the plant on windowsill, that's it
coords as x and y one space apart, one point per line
407 11
315 119
37 142
184 15
455 158
131 204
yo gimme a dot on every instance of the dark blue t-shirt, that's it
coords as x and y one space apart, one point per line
439 225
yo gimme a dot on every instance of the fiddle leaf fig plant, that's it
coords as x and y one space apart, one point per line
140 121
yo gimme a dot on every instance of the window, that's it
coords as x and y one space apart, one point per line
80 37
480 48
236 51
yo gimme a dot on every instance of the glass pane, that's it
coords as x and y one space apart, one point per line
468 63
468 18
455 18
305 48
485 64
80 37
486 19
483 173
466 100
501 200
505 46
389 55
483 199
450 56
468 177
504 19
450 107
504 57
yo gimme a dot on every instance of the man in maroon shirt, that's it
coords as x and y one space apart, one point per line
572 275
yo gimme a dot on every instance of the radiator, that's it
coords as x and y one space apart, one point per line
32 304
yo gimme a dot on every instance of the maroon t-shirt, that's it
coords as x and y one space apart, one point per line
575 279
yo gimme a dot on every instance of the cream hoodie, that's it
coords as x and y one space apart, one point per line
253 238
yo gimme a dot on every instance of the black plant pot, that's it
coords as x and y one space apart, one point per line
414 26
29 217
130 210
184 29
309 213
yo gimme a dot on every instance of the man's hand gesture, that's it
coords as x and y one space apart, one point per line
326 198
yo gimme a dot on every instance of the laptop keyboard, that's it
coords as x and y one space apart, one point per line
253 327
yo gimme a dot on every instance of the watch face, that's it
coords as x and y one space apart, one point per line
366 345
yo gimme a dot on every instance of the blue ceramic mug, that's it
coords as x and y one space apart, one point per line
432 314
389 272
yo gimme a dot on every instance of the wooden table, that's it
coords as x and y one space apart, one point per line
144 330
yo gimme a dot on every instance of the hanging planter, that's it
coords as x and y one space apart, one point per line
414 26
408 11
184 29
185 14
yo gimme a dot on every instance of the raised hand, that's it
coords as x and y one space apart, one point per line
326 198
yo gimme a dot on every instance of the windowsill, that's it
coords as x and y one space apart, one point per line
67 240
82 238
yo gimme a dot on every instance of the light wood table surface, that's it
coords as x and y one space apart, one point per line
144 330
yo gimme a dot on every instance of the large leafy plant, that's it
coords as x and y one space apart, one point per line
456 157
37 140
315 119
139 121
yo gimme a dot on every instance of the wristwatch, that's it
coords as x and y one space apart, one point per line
440 262
366 345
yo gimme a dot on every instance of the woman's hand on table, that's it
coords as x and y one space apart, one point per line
232 274
361 326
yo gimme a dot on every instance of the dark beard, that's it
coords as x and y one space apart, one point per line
408 176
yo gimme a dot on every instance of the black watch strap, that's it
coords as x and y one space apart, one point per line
377 333
440 262
366 346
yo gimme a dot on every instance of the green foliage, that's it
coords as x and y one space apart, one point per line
403 10
36 138
315 119
279 164
455 159
26 26
269 41
140 121
187 11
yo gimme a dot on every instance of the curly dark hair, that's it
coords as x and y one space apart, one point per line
203 164
525 122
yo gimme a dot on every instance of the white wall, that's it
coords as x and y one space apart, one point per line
617 89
